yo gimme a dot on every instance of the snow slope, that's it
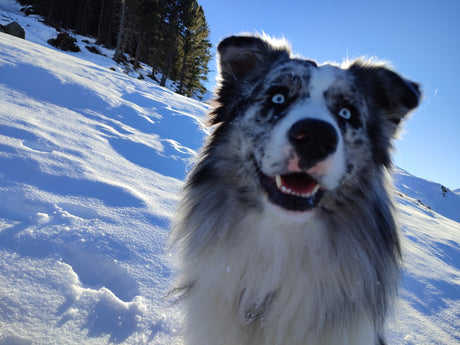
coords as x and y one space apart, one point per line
433 195
429 309
38 32
90 166
91 162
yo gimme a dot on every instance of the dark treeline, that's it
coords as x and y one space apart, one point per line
172 36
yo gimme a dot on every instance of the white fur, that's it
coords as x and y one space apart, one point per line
270 255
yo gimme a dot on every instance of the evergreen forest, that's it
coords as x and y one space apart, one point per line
172 36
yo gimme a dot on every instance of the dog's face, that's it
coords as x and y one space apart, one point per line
308 131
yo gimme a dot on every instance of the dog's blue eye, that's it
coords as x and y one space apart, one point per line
278 98
345 113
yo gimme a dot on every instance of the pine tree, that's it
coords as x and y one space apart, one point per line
173 29
196 51
170 35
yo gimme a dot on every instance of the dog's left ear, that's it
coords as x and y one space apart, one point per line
389 92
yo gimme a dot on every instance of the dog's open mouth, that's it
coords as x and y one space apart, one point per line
295 191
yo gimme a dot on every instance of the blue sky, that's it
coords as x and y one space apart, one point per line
420 38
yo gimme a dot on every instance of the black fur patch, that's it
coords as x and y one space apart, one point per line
386 90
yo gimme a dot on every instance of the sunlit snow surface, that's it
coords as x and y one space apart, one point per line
91 162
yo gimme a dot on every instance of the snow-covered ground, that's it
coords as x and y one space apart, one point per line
91 162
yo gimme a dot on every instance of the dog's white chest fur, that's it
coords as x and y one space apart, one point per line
271 286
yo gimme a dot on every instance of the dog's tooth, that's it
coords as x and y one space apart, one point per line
287 190
279 182
317 187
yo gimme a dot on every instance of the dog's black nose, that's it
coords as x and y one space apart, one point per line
313 140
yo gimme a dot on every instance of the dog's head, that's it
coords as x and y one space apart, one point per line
308 130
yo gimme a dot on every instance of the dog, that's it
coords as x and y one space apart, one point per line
286 233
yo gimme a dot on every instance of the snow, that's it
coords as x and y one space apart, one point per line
430 194
91 162
429 310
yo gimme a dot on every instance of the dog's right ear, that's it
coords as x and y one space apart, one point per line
242 56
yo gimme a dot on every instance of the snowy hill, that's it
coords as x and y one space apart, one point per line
91 162
90 167
38 32
432 195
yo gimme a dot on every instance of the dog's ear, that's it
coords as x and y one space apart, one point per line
390 98
389 92
241 56
242 60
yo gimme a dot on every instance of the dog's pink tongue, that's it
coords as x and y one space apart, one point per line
297 183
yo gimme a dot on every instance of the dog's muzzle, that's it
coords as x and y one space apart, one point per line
295 189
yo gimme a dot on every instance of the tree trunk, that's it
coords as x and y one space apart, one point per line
109 24
168 62
49 16
180 90
138 49
99 24
118 51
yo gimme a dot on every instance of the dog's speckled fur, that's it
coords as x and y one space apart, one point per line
261 266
